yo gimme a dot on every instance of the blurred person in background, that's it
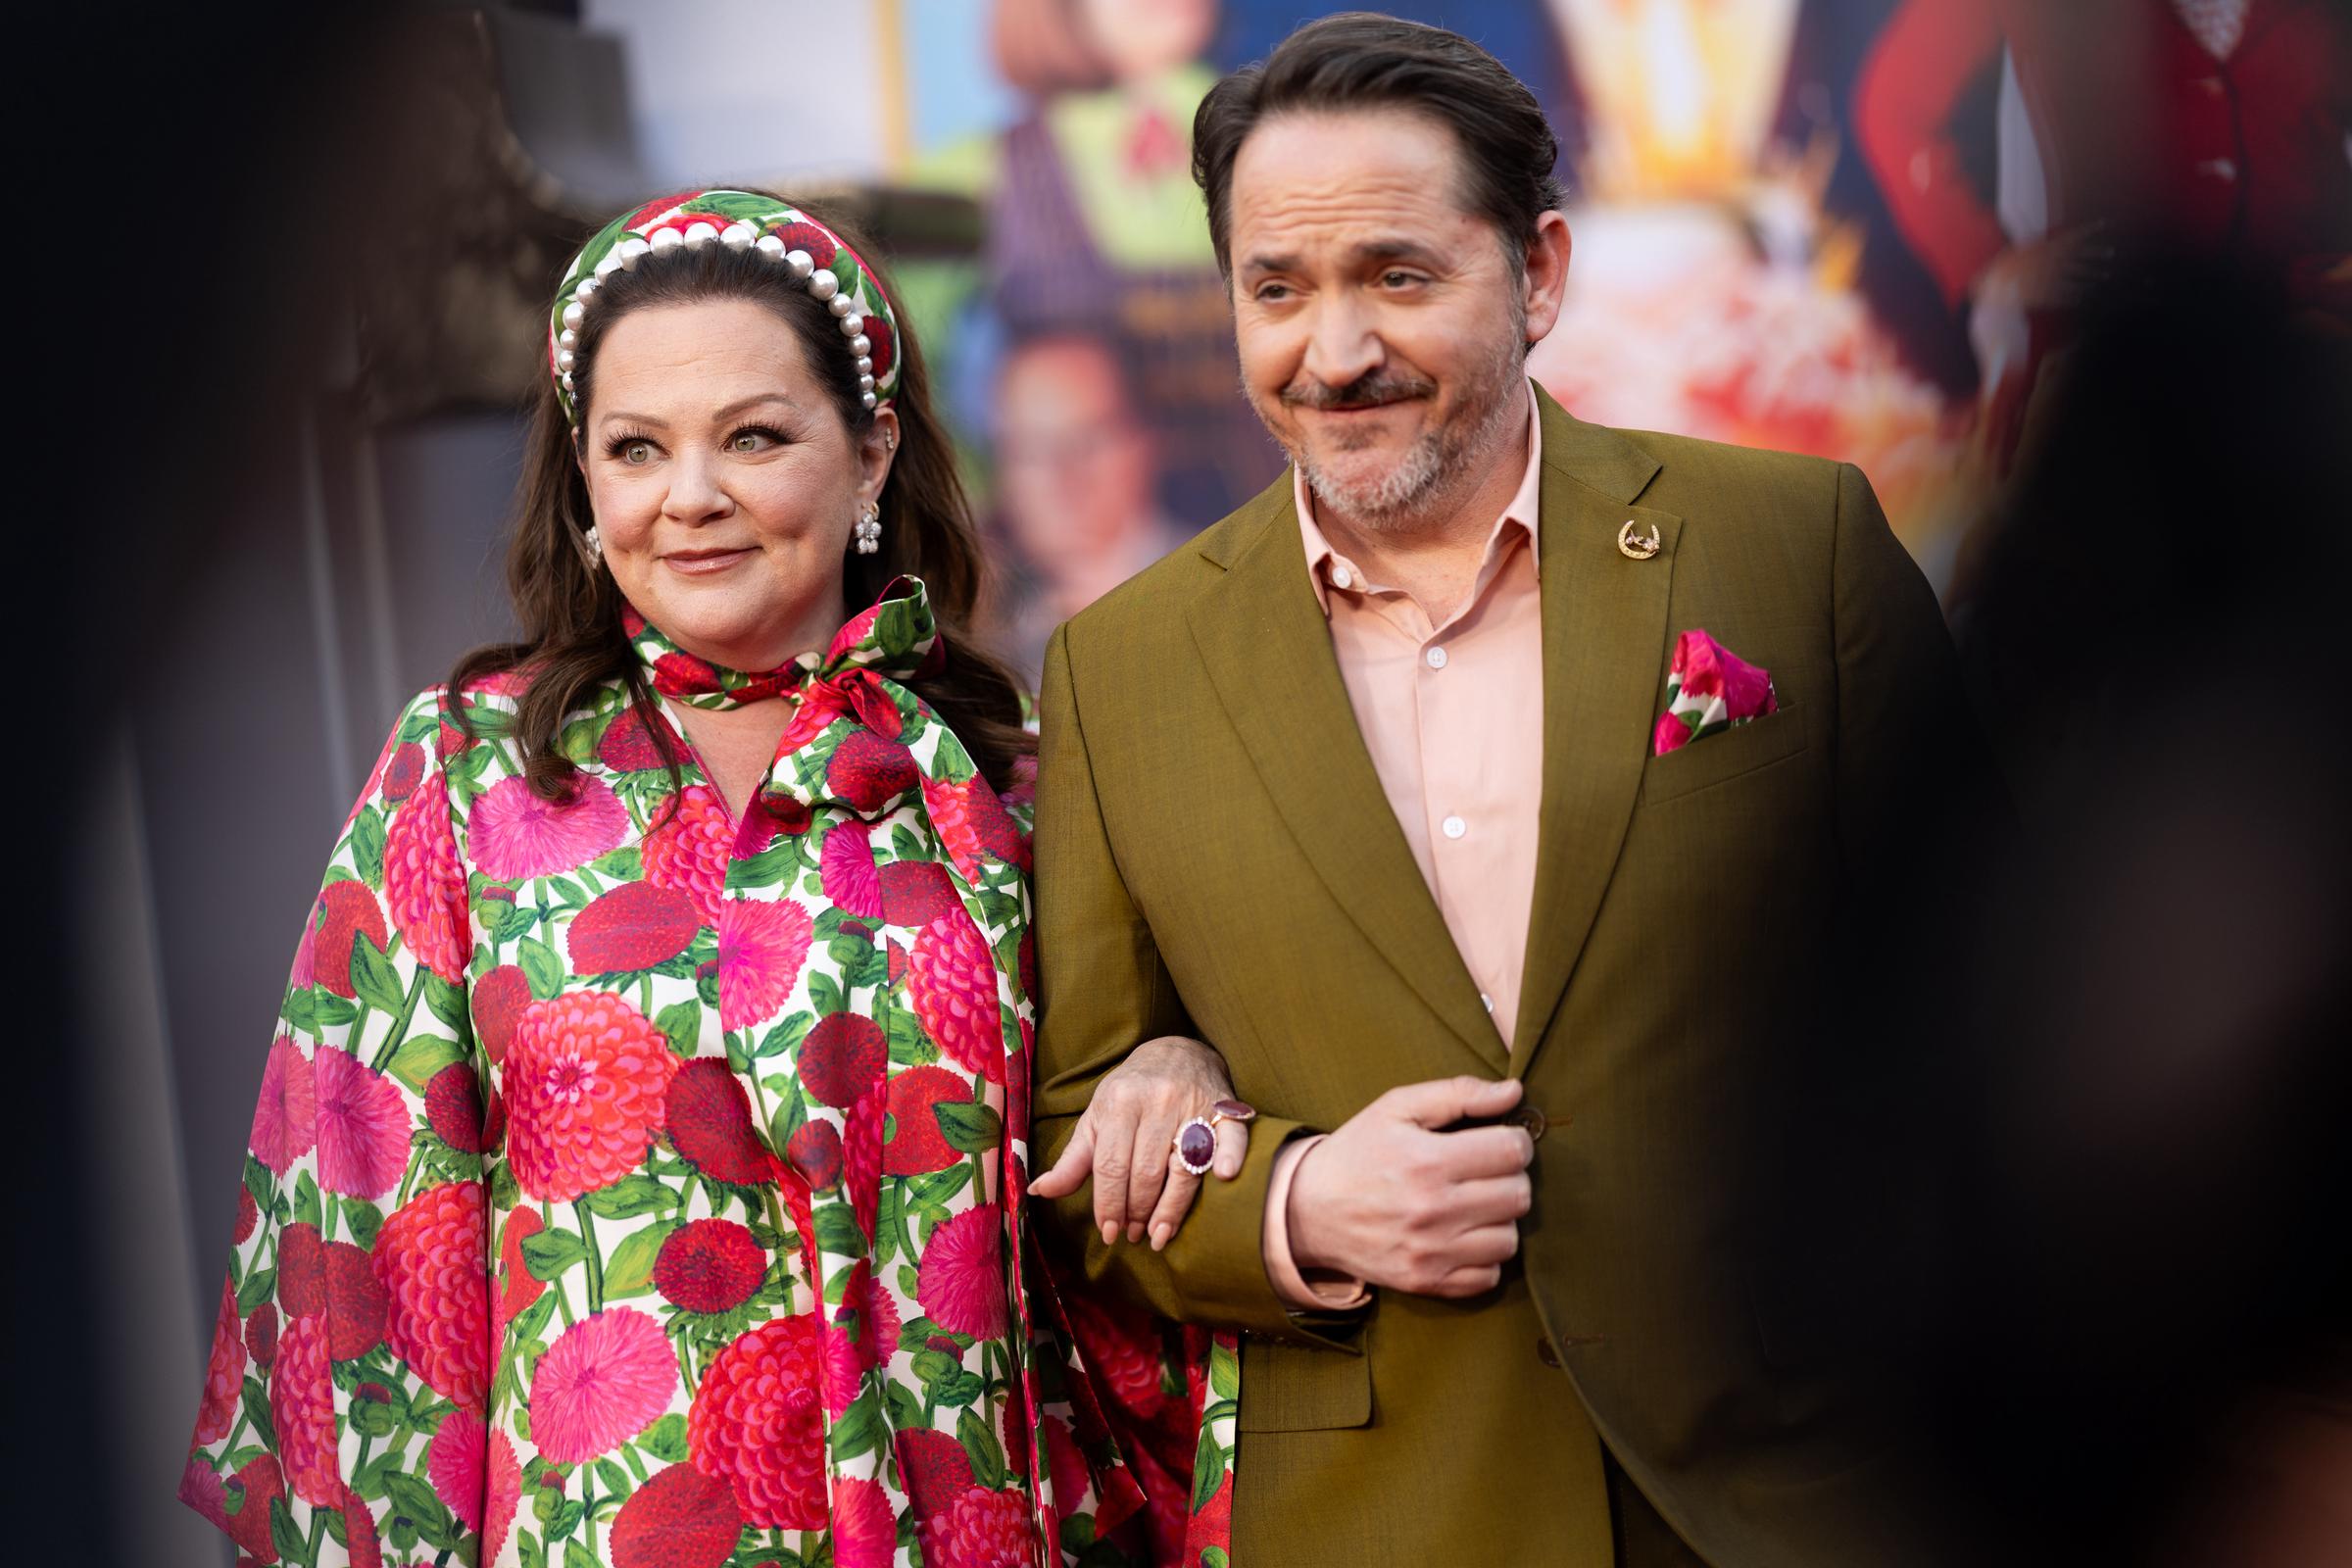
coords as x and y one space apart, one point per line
1077 476
638 1167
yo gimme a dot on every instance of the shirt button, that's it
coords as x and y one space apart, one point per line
1486 1001
1545 1353
1436 657
1454 827
1341 577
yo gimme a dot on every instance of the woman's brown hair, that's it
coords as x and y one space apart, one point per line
570 612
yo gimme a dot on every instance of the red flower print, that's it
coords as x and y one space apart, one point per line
474 1473
425 885
847 866
261 1482
604 1380
1708 668
885 346
839 1374
867 1300
499 999
302 1407
842 1057
345 910
1025 958
518 1287
301 1270
635 926
816 1155
916 892
223 1374
866 1532
627 745
971 822
761 946
248 1216
361 1542
432 1259
659 207
709 1265
405 771
286 1119
982 1528
807 236
453 1107
356 1305
260 1334
754 1423
771 812
870 700
934 1467
868 773
952 981
1065 1464
449 740
680 1518
709 1121
961 1281
202 1489
362 1126
681 673
514 834
1672 734
897 959
585 1081
1124 1353
861 1155
917 1143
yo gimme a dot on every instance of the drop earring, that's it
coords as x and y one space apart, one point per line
868 530
592 544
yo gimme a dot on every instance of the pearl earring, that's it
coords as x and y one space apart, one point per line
594 546
868 530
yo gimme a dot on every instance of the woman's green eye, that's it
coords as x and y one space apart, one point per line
747 442
639 452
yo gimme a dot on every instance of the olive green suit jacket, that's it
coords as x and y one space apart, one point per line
1215 856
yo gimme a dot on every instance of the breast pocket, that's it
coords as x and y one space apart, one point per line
1288 1388
1720 758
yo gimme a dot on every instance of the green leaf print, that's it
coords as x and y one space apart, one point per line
550 1253
630 1197
367 846
540 966
362 1221
785 1036
682 1022
837 1231
421 1057
860 1430
629 1271
1208 1469
980 1445
666 1439
971 1128
373 975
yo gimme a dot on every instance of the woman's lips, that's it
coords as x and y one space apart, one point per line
702 563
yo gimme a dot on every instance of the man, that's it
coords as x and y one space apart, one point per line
1360 787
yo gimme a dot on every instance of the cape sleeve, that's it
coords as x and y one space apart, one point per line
342 1410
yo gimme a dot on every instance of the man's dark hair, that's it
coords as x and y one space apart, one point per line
1362 59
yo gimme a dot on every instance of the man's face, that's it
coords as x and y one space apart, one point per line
1381 327
1075 461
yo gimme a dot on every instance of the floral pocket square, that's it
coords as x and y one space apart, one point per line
1709 689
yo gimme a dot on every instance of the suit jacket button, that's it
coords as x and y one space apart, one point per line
1545 1353
1531 1120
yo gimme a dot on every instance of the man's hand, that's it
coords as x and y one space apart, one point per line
1127 1140
1393 1202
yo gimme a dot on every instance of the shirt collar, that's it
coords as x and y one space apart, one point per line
1518 519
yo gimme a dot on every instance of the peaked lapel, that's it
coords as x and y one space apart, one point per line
1605 651
1268 651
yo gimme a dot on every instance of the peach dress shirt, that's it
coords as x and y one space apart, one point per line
1451 714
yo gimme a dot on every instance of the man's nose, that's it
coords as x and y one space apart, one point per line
1341 346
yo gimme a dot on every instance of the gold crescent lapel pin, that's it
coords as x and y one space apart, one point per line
1637 547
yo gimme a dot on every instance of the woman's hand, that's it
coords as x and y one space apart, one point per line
1127 1140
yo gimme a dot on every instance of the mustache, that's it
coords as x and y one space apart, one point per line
1369 390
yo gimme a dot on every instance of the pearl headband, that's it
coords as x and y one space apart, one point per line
805 250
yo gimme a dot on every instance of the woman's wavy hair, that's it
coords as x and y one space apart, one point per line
570 612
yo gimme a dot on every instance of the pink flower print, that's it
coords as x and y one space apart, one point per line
761 946
202 1489
1672 734
847 866
302 1407
475 1472
425 884
604 1380
514 834
1709 669
971 822
432 1258
680 1518
362 1126
866 1532
982 1528
585 1079
285 1120
867 1301
961 1281
223 1374
951 978
839 1374
754 1422
689 849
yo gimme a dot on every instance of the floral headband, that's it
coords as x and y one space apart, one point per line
803 249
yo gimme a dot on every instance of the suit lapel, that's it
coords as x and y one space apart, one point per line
1268 652
1604 642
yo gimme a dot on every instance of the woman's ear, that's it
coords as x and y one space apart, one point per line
877 449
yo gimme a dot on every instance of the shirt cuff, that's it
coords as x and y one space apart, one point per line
1324 1291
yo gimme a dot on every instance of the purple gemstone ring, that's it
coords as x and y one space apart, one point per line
1195 1146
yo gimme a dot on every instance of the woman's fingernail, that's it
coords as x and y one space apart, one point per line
1159 1237
1135 1231
1111 1234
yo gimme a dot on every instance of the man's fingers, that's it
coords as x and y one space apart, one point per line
1494 1201
1476 1153
1444 1100
1076 1163
1175 1202
1472 1280
1233 1148
1489 1245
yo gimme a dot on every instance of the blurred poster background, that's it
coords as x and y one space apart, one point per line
1860 228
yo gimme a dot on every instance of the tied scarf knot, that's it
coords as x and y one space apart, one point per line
892 640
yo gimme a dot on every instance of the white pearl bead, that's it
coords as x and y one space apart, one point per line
869 399
800 263
699 236
824 285
572 316
852 325
865 383
866 365
564 359
736 237
769 246
665 240
567 380
840 305
608 265
568 339
586 288
861 345
631 251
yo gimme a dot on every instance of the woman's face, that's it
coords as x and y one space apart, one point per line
723 481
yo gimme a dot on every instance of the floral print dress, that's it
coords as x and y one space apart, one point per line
632 1185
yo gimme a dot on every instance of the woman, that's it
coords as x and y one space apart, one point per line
637 1172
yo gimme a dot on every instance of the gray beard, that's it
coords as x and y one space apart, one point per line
1433 470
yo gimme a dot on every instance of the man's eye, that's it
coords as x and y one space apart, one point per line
1273 293
1395 279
